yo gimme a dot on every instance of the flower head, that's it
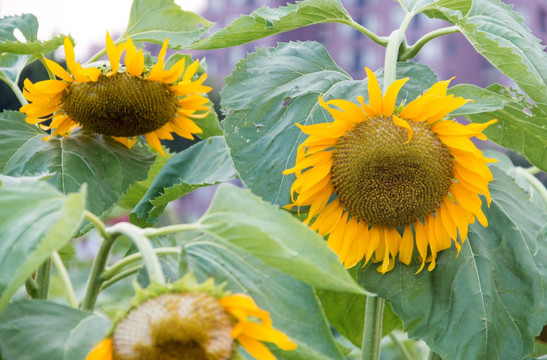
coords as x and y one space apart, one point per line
202 323
121 103
380 180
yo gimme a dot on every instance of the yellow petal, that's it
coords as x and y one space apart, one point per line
403 124
391 96
407 246
58 70
375 99
190 70
265 333
258 350
153 140
102 351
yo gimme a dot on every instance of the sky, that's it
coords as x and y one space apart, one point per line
87 21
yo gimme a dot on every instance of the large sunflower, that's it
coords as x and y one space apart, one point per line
121 103
380 179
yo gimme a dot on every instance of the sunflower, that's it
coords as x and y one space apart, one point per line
382 179
120 102
191 326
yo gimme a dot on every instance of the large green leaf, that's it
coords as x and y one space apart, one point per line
39 330
35 220
156 20
205 163
275 237
417 6
499 34
260 129
490 301
520 127
106 166
27 24
267 21
293 305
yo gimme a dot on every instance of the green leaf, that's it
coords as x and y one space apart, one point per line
521 126
27 24
35 220
260 128
293 305
156 20
38 330
491 297
499 34
203 164
275 237
267 21
346 312
107 167
418 6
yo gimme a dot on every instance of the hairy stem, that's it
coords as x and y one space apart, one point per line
65 279
413 50
43 278
372 333
121 275
380 40
137 235
113 270
97 267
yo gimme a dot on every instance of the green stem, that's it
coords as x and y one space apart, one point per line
43 278
137 235
372 333
121 275
113 270
413 50
400 346
65 279
15 88
396 42
534 170
32 288
97 267
152 232
380 40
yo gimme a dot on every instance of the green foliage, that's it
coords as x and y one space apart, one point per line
269 234
417 6
205 163
485 295
499 34
35 220
267 21
260 128
70 333
156 20
520 127
107 167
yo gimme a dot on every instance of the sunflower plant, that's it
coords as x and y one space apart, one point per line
378 217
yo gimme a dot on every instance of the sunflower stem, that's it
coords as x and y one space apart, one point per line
413 50
117 268
95 282
65 279
15 88
141 241
152 232
380 40
43 278
395 46
400 346
372 333
122 275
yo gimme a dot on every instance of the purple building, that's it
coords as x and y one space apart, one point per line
449 55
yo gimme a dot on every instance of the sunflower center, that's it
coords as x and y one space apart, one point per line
175 326
120 105
381 180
